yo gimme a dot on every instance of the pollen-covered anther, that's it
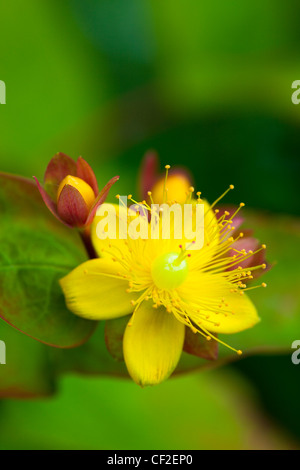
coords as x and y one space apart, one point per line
264 284
263 266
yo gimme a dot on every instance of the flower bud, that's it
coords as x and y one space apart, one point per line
71 191
151 180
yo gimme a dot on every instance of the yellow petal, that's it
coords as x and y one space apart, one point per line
96 290
211 294
152 345
102 246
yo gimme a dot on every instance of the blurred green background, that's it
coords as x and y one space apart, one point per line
208 85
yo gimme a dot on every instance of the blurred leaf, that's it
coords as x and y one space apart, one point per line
36 251
114 333
199 411
91 358
27 372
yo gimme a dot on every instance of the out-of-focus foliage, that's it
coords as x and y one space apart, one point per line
185 413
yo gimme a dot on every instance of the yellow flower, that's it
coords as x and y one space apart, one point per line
167 287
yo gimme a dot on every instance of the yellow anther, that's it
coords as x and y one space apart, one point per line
231 186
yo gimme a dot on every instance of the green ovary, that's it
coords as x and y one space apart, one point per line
169 271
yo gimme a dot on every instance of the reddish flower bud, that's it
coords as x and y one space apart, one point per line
71 191
151 180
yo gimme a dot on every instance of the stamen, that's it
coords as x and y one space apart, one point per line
222 195
167 167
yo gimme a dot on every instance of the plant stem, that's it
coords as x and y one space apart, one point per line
86 239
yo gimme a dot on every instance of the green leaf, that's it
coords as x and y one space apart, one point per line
92 358
114 333
27 372
36 251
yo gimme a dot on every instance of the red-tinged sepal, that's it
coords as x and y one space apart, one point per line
58 168
100 199
257 259
149 172
198 345
237 220
48 201
85 172
71 207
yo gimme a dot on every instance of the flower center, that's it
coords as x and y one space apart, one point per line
169 270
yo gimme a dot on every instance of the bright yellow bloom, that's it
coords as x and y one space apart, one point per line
167 287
